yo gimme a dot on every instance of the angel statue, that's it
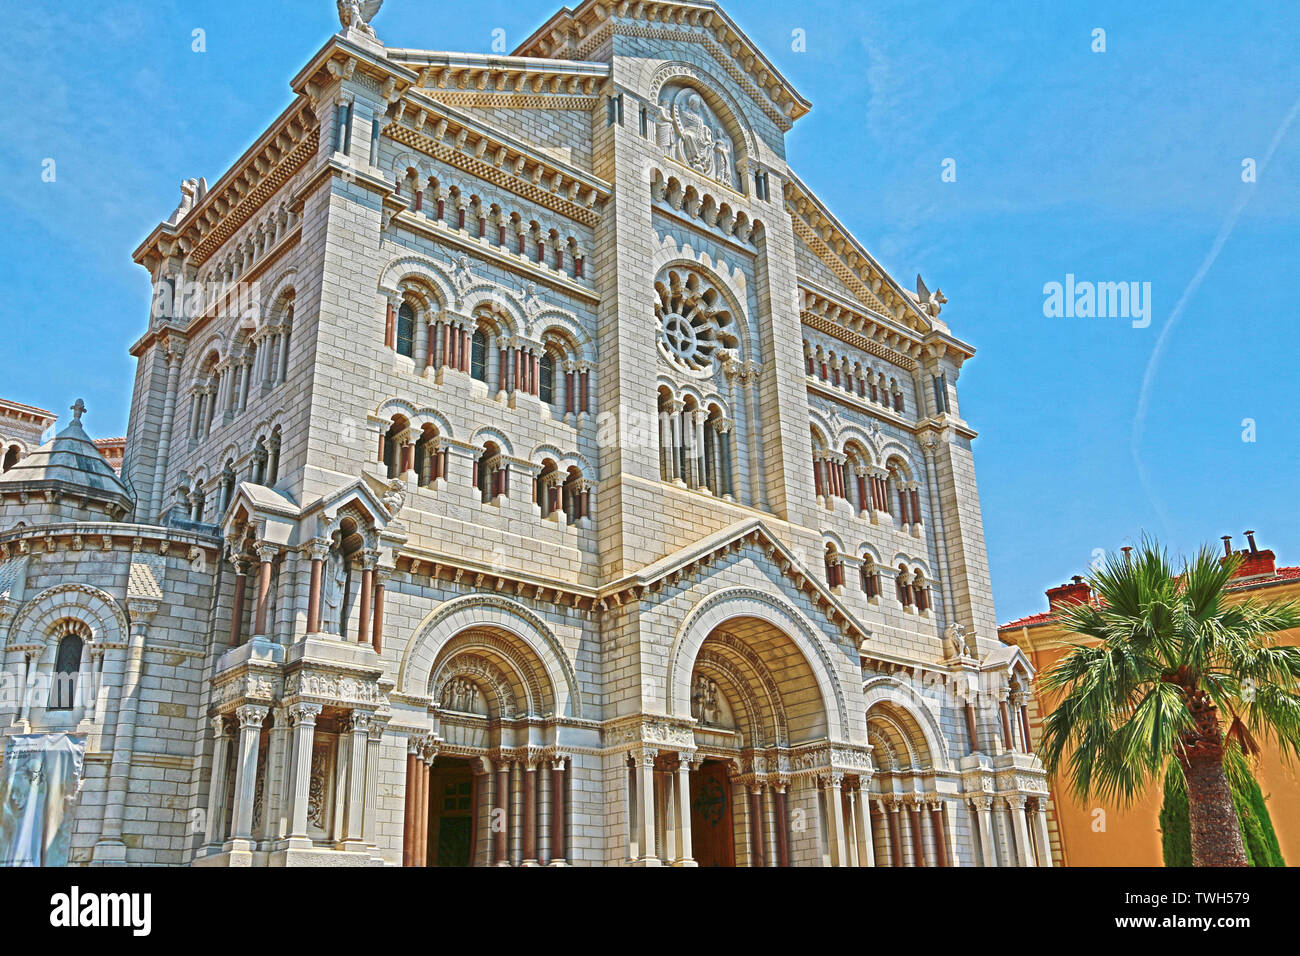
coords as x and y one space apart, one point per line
357 14
955 644
932 303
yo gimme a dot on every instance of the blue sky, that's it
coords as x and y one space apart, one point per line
1117 166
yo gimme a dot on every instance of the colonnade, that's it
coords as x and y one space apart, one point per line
526 798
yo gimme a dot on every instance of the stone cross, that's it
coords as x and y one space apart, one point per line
78 409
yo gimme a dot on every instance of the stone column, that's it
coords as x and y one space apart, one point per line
880 831
559 802
684 855
895 835
501 815
319 551
918 834
832 805
849 809
412 796
110 848
645 818
377 635
981 805
265 555
1044 838
303 717
530 813
862 825
364 619
1006 725
424 769
217 783
279 743
782 825
358 727
250 736
1020 829
237 604
940 831
757 835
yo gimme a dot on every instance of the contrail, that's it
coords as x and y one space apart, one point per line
1153 363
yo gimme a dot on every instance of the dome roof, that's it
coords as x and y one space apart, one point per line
69 463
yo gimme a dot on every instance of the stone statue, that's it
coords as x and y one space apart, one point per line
395 496
357 14
336 576
704 701
192 193
955 645
932 303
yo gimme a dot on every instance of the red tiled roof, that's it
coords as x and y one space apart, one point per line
27 408
110 441
1280 575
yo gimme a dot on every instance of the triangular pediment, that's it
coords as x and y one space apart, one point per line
698 558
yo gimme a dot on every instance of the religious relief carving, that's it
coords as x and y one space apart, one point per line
705 705
461 695
335 688
690 133
316 790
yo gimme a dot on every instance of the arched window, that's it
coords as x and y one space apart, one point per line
406 330
478 355
870 577
67 662
834 569
546 378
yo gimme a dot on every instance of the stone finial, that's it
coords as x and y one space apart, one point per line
78 409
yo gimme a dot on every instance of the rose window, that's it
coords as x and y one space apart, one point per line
694 322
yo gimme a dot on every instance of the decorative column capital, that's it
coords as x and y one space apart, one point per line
266 552
303 714
219 726
319 548
251 715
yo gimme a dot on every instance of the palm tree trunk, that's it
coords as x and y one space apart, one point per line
1216 832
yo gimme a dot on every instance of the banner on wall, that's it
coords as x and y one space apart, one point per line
38 787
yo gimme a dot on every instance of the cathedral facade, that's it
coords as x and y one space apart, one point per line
524 468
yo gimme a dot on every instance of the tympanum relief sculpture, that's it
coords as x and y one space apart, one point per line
690 133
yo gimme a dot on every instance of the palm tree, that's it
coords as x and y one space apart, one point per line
1166 655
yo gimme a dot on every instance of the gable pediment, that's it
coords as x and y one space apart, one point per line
699 558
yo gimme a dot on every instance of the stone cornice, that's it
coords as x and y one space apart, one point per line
575 34
454 138
228 204
473 79
849 259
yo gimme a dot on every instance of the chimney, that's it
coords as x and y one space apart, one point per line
1255 563
1076 591
1227 545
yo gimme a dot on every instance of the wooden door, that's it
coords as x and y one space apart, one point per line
712 836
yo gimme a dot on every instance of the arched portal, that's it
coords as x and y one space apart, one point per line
483 786
756 698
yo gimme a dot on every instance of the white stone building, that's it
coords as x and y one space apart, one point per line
526 468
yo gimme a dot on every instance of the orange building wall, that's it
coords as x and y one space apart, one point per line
1131 836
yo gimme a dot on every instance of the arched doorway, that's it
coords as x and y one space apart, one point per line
483 790
755 699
